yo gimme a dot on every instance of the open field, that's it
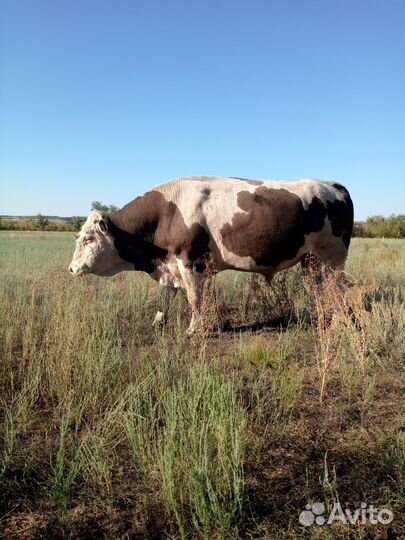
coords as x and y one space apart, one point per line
110 428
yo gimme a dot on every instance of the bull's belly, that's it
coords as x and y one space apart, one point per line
266 257
226 260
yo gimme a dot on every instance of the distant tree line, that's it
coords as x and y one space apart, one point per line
374 227
41 223
381 227
46 223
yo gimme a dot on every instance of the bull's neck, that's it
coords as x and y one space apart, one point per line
133 228
138 218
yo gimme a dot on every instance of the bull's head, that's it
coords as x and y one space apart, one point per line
95 251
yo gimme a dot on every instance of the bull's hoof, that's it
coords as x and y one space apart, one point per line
160 319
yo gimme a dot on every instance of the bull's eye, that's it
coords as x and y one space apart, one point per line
88 240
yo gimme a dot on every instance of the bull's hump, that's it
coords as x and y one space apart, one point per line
217 182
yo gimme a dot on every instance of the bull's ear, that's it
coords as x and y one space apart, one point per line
102 225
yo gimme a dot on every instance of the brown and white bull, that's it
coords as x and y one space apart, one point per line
177 230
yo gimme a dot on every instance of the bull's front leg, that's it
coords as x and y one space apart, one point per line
193 283
161 316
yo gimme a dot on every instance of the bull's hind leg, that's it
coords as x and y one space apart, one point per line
325 282
312 267
313 278
334 269
193 282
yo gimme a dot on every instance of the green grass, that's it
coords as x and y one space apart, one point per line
112 428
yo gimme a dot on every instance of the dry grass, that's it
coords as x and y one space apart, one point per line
110 428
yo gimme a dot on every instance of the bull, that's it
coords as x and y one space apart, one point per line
178 230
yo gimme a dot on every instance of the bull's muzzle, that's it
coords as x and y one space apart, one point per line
76 270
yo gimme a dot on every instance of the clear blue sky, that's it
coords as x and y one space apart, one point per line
100 100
